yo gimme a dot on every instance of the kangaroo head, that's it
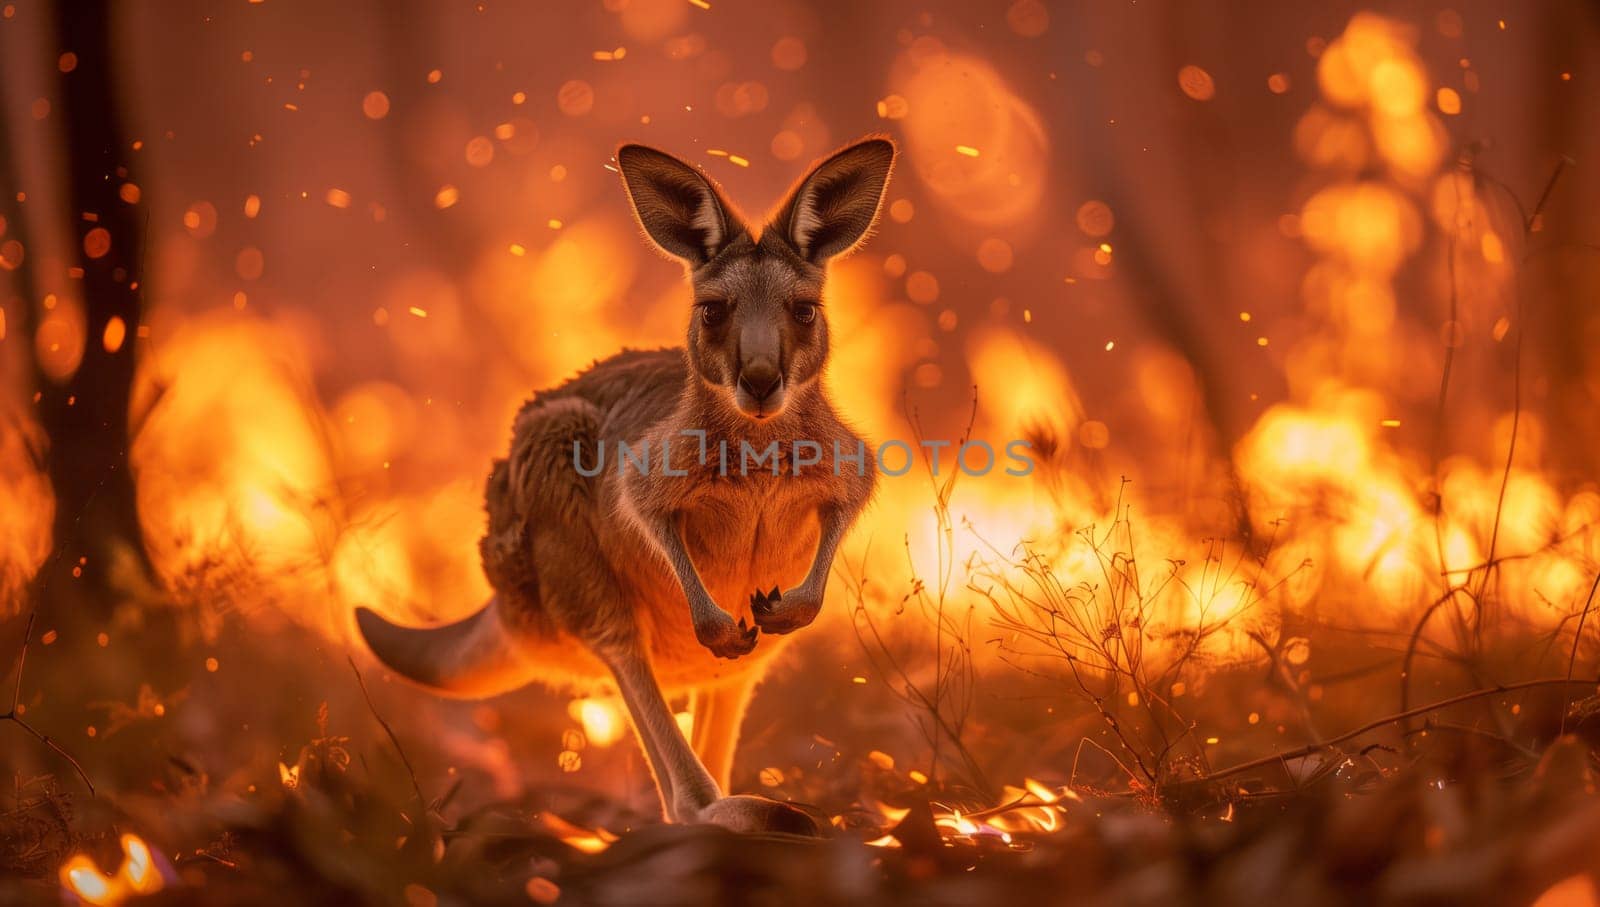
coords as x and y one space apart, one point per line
757 333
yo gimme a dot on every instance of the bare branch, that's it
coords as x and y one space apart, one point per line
15 714
1314 748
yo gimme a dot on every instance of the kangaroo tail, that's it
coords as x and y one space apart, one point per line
471 658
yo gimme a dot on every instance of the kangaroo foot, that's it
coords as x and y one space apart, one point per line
724 637
748 813
784 612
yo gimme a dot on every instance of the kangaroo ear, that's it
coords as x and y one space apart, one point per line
676 204
832 209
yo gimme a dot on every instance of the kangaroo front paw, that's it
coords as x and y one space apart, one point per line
785 612
724 637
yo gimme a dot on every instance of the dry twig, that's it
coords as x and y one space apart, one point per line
422 801
15 713
1314 748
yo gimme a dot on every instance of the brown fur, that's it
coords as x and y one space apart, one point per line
657 580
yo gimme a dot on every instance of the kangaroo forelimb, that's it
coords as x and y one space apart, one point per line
785 612
714 627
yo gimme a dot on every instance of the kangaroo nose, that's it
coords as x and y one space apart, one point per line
759 380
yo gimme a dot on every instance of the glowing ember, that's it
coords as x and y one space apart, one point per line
116 331
585 840
375 105
1196 83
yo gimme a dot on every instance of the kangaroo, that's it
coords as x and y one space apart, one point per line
629 573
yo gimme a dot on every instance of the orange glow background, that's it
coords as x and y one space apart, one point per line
1222 254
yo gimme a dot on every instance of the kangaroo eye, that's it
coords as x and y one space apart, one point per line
713 312
805 311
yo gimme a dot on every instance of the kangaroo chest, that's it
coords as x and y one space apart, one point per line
742 536
752 533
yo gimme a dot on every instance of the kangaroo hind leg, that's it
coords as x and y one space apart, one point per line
718 714
685 785
688 792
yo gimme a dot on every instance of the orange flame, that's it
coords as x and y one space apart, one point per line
136 876
27 509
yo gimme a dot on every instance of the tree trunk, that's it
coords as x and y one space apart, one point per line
86 416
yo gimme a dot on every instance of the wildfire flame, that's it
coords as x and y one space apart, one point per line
27 508
138 875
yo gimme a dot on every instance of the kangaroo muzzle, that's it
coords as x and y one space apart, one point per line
759 392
